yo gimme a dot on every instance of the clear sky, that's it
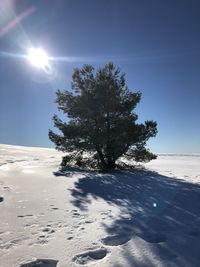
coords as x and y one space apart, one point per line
156 43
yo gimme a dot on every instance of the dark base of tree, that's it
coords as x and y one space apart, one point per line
106 168
76 160
92 162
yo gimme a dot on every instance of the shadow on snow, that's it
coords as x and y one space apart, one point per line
156 212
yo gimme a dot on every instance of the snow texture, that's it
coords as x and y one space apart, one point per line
146 217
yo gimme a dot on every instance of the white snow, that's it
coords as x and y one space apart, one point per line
140 218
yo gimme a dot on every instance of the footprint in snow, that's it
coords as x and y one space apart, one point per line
88 221
7 188
41 241
75 213
153 237
90 256
41 263
116 240
48 230
10 161
22 216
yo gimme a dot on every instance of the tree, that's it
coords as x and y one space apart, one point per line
101 117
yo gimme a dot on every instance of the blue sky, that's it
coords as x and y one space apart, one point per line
156 43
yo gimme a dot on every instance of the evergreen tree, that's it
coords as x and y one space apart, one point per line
101 117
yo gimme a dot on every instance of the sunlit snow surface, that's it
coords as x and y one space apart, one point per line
148 217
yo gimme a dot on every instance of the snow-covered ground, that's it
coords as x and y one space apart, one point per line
142 218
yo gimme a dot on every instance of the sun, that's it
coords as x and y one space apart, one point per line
38 57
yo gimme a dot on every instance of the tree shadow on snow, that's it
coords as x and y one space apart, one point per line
159 220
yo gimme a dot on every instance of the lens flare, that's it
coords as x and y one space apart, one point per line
38 58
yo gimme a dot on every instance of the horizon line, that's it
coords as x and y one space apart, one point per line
52 148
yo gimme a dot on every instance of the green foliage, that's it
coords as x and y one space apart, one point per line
100 109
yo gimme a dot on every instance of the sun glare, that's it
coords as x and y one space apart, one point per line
38 57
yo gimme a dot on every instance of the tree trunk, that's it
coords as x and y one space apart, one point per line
111 165
101 157
106 165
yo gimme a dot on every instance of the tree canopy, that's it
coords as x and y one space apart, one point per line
101 117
